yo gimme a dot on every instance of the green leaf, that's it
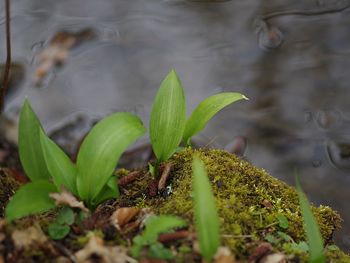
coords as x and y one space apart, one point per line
65 216
31 198
205 212
311 228
109 191
101 149
156 225
168 117
30 152
282 221
57 231
60 166
157 250
206 110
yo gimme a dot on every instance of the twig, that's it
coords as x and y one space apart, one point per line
304 12
163 238
164 176
130 177
6 77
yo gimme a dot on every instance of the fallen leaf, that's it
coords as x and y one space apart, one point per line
123 215
224 255
58 51
95 248
67 198
274 258
29 237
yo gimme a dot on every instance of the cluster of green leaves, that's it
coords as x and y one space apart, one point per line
154 226
168 123
61 226
49 168
205 211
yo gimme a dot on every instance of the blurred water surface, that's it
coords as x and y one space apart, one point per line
294 67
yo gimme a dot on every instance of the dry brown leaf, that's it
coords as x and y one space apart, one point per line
96 248
274 258
29 237
224 255
67 198
123 216
58 51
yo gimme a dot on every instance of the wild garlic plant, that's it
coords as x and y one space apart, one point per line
49 168
168 123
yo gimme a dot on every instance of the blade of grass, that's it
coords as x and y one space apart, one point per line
101 149
30 152
168 117
206 110
312 230
61 168
205 212
30 199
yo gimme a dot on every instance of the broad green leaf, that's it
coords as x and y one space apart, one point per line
101 149
30 199
30 153
206 110
168 117
61 168
109 191
160 224
57 231
205 212
312 230
66 216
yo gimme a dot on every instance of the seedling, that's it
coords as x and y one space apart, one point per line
168 124
60 228
313 235
156 225
205 212
90 179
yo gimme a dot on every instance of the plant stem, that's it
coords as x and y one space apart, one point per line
6 77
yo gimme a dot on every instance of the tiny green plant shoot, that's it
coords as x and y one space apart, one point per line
205 211
156 225
313 235
50 169
168 124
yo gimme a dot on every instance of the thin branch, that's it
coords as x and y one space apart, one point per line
6 78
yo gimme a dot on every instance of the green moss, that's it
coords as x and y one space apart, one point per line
248 201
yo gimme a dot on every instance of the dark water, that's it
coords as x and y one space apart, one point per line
294 67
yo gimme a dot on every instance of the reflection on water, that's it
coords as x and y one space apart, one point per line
293 67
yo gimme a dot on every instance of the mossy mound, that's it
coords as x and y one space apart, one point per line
249 202
8 186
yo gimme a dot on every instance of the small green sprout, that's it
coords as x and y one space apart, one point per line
60 228
91 179
282 221
156 225
314 238
205 211
168 125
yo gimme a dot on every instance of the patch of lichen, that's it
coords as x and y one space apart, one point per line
248 200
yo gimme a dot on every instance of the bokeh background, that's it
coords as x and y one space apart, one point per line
291 58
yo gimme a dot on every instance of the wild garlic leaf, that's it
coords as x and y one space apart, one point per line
206 110
101 149
109 191
60 167
30 152
312 230
31 198
168 117
205 212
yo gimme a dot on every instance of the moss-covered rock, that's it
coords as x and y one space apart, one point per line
249 201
